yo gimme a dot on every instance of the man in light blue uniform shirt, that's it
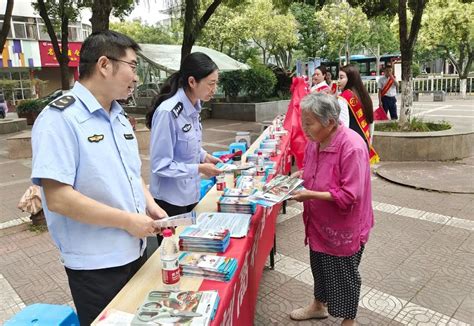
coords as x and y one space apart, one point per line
176 151
85 157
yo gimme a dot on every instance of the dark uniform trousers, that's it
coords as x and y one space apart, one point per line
92 290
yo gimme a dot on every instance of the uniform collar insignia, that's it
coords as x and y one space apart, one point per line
63 102
178 108
95 138
128 136
186 127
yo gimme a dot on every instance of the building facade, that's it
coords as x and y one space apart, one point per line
28 59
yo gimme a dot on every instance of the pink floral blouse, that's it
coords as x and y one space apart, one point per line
338 227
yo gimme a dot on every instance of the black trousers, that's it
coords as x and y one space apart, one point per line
390 105
172 210
92 290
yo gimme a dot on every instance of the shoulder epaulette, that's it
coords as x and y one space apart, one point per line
63 102
178 108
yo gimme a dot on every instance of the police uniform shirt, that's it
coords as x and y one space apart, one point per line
175 151
392 91
95 152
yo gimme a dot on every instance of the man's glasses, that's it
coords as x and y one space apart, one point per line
132 64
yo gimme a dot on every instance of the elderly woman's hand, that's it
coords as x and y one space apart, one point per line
302 195
297 174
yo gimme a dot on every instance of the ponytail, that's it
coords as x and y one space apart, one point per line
167 90
197 65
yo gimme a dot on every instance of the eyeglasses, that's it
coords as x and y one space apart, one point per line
132 64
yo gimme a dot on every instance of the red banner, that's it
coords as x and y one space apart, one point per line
293 120
48 58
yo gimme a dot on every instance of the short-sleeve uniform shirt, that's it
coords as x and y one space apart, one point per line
95 152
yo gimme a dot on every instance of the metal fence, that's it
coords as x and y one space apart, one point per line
448 84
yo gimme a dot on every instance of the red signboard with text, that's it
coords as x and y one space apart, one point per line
48 59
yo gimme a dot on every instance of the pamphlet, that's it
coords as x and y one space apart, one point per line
177 220
237 224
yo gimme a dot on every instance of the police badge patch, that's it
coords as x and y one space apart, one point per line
95 138
178 108
186 127
62 102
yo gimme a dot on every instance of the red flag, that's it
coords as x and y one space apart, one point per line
380 114
292 121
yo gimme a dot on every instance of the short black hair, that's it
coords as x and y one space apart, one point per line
105 43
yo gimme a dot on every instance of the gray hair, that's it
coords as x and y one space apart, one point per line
325 107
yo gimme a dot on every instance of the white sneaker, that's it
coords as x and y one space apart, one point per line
309 312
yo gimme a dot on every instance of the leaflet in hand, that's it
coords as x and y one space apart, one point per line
177 220
227 167
190 308
277 190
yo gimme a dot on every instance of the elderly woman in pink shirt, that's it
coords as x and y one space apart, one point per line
337 213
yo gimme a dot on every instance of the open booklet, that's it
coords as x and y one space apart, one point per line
237 224
277 190
177 308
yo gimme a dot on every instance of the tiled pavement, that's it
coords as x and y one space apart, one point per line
417 269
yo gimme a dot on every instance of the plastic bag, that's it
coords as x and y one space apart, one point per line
31 200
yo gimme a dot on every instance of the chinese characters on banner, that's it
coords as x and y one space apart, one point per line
48 59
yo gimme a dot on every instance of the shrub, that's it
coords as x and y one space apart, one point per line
415 124
232 82
259 82
30 106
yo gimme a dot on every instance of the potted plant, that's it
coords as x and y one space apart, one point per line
30 109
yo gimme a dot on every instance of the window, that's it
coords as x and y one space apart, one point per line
74 33
86 31
19 29
10 34
43 33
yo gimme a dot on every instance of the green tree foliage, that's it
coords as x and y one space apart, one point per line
273 33
311 36
259 81
347 28
448 25
376 8
143 33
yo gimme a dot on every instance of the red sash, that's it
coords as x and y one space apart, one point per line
387 86
322 88
356 109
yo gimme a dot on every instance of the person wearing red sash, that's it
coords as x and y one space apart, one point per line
359 105
388 86
319 80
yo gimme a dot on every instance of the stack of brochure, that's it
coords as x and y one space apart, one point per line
217 268
235 205
177 220
193 238
177 308
277 190
250 182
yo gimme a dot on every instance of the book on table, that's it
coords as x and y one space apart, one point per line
189 308
218 268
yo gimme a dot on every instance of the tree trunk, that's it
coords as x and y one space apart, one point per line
101 10
193 24
407 43
462 87
6 24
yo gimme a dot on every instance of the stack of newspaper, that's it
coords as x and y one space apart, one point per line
217 268
277 190
193 238
177 308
